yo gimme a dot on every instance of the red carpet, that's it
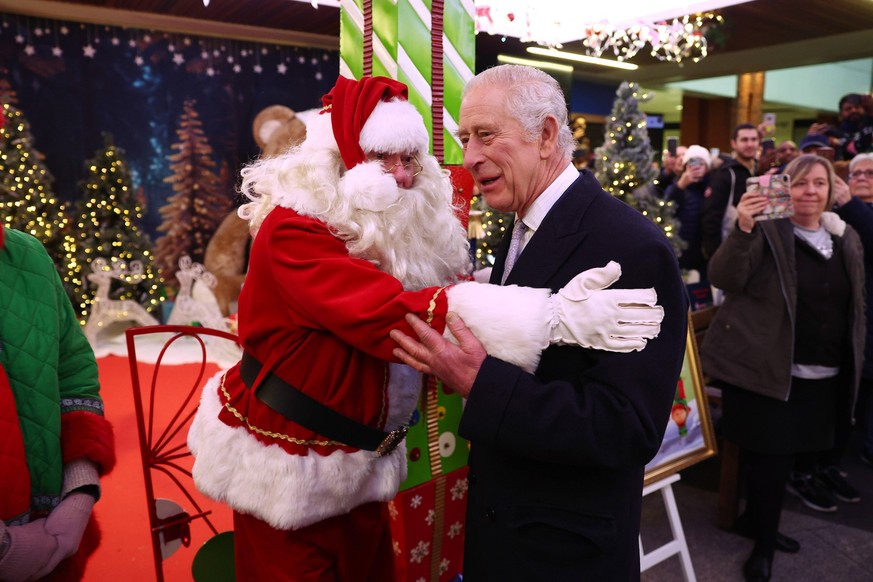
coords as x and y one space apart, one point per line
125 553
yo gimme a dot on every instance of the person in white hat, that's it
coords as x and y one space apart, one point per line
354 229
688 193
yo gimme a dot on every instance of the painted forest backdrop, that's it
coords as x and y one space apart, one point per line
126 144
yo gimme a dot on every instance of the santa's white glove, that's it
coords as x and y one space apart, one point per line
587 314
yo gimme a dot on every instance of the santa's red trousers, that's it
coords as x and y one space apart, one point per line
355 547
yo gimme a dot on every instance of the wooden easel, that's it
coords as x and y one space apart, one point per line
677 545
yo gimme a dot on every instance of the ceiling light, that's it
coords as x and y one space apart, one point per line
532 63
581 58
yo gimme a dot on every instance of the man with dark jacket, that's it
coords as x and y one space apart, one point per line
727 185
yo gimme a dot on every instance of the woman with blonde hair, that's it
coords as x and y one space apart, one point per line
787 344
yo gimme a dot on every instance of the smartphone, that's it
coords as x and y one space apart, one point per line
826 152
770 119
714 153
777 189
768 145
672 144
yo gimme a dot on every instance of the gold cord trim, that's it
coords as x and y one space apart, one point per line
267 433
432 305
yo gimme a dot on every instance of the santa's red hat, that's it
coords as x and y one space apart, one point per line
371 114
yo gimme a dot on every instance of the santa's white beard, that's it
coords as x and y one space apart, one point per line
419 239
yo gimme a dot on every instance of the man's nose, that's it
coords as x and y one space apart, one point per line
402 176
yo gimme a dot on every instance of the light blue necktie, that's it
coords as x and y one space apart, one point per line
514 248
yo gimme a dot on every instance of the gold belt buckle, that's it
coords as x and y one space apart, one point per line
390 442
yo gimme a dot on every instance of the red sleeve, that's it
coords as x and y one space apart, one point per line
348 297
85 435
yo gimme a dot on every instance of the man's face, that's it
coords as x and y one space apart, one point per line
851 112
746 144
508 170
403 167
786 152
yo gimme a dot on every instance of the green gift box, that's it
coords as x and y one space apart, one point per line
433 447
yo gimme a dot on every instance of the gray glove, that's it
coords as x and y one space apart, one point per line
587 314
66 523
30 548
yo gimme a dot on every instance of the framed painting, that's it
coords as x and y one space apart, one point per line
690 437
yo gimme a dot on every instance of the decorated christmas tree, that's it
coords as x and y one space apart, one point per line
623 164
200 202
27 202
487 227
107 215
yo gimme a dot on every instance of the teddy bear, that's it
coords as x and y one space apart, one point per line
275 129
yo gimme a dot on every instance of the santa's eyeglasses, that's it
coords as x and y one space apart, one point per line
392 161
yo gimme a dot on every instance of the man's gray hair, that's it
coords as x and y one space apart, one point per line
532 96
858 159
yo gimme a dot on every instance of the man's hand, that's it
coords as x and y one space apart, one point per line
456 365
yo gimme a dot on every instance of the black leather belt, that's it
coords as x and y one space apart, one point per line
312 414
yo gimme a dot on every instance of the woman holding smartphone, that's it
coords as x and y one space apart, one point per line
787 344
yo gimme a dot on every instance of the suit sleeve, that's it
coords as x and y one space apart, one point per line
588 407
860 217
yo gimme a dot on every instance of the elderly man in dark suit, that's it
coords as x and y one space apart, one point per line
558 456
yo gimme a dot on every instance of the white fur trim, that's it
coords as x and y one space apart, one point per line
512 322
394 126
319 133
286 491
833 223
368 187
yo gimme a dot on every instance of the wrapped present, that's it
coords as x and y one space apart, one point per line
427 526
433 446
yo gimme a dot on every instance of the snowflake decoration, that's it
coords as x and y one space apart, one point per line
115 41
431 517
204 55
459 489
318 76
396 547
421 579
237 68
301 59
415 501
314 61
230 58
65 31
131 43
210 72
419 552
171 47
89 51
282 68
444 565
392 510
139 61
57 51
216 53
37 31
147 38
178 58
455 530
19 38
29 50
258 69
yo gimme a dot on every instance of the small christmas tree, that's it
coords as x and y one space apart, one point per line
200 201
107 227
26 199
624 162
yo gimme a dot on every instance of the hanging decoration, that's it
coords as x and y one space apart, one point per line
620 28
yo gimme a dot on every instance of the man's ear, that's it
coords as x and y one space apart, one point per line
549 137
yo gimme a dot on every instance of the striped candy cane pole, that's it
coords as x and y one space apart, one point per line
427 44
458 66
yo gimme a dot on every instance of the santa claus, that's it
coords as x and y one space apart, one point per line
354 229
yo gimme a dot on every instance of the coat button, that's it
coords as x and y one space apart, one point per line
490 514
